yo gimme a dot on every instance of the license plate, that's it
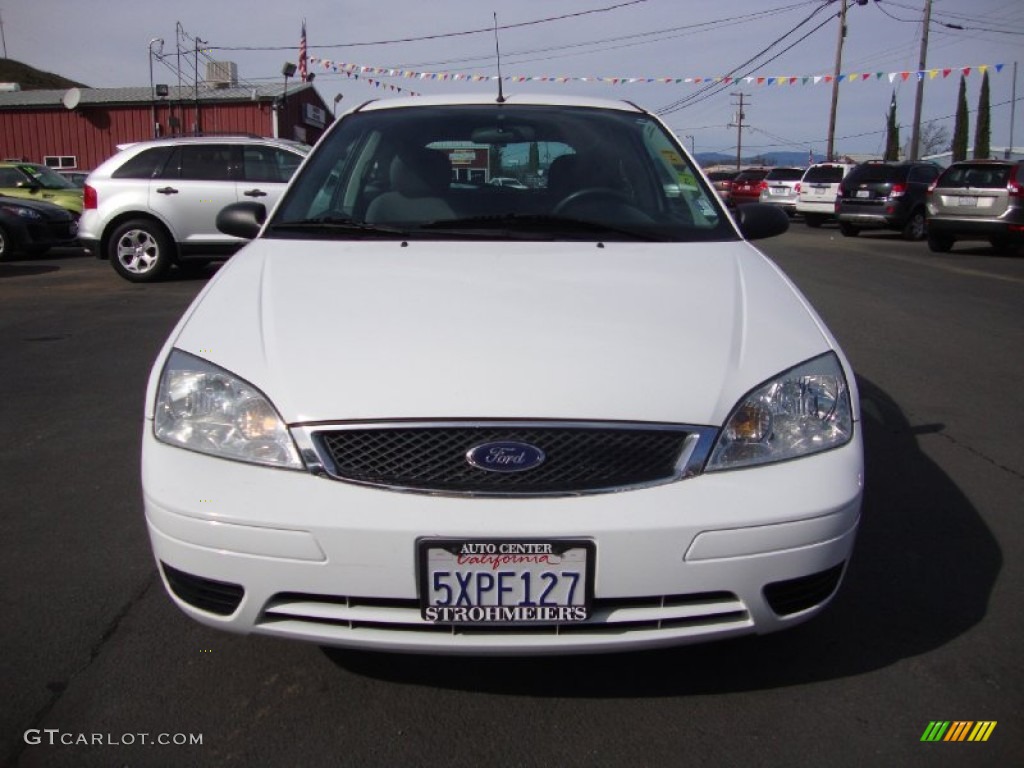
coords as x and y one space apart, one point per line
967 201
507 581
777 190
863 193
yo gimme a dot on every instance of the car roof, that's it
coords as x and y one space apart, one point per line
221 139
491 98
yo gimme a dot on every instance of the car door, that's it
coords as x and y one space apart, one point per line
194 186
265 172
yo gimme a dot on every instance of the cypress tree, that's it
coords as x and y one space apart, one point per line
892 134
960 125
983 128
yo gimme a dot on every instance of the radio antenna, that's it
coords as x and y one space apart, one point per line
497 51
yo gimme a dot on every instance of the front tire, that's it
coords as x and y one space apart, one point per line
814 220
916 226
6 245
140 251
848 229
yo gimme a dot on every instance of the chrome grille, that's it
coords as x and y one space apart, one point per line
346 617
579 459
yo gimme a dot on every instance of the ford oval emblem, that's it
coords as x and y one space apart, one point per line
505 456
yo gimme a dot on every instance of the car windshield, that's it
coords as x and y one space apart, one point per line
785 174
874 174
980 176
46 178
500 171
824 174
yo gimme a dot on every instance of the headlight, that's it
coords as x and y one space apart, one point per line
802 411
204 408
20 210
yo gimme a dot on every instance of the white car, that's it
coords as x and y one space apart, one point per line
411 416
818 191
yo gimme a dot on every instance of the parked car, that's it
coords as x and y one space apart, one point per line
977 200
722 181
881 195
75 177
576 419
32 181
746 187
819 186
780 187
33 227
155 203
506 181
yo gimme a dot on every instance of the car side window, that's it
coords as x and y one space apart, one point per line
287 163
207 162
924 174
260 164
9 177
147 164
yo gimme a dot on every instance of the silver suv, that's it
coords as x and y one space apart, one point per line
155 203
978 200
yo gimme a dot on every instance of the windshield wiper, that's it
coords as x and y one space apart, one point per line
338 224
527 225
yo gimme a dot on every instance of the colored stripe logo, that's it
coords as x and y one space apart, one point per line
958 730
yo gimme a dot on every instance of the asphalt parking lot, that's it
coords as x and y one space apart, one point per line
927 626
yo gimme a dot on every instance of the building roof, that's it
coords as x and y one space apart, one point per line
93 97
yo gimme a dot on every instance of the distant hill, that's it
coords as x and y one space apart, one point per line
796 159
32 79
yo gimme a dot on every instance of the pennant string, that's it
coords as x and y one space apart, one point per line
362 71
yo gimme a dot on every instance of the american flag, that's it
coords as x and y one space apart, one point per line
303 72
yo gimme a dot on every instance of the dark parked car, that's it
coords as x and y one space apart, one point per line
746 188
33 226
977 200
881 195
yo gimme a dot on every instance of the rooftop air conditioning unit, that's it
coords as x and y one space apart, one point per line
222 74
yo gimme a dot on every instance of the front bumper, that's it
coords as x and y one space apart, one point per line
290 554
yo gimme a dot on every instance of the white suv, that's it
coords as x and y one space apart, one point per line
155 203
819 187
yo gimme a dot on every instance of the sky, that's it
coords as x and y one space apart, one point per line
604 48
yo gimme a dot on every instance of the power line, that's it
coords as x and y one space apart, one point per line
441 35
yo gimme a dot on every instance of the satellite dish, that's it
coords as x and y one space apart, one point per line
71 98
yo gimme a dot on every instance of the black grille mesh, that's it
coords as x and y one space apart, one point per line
434 458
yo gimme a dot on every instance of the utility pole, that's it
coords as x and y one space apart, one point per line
1013 112
836 71
198 125
830 150
2 35
740 115
915 136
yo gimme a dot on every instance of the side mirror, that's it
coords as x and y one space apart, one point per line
243 220
758 221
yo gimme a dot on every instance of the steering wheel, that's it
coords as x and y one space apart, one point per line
597 193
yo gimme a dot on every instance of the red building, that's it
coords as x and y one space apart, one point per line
81 127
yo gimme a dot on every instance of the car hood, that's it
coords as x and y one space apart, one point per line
369 330
51 210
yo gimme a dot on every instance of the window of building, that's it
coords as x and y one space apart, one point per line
60 161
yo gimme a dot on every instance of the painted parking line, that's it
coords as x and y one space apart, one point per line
952 269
